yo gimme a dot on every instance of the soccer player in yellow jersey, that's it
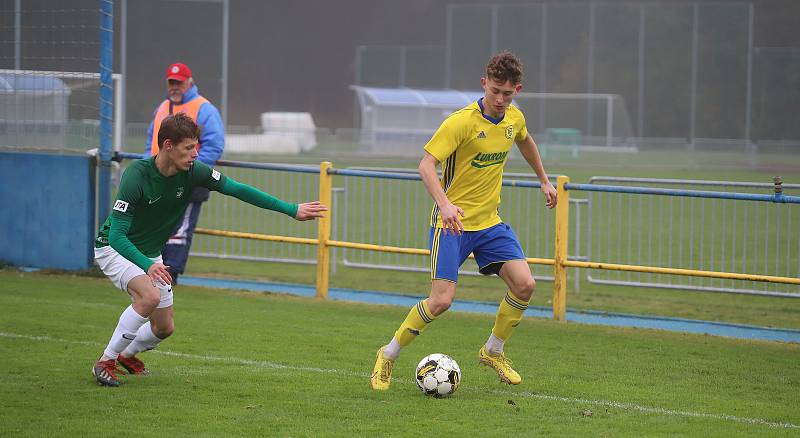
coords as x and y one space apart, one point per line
472 145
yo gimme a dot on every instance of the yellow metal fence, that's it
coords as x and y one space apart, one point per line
560 262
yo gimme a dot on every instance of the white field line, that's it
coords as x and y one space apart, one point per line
526 394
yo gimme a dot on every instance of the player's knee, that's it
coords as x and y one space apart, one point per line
524 290
439 305
150 300
164 330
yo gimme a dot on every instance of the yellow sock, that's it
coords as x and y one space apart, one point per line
508 316
417 319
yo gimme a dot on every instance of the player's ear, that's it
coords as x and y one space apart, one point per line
518 88
167 144
483 82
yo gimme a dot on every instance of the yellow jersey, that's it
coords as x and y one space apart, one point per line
473 149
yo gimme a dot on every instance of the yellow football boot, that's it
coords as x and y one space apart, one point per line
382 372
502 365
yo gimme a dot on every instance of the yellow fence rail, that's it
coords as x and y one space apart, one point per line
559 263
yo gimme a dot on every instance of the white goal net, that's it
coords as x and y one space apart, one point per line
51 109
398 121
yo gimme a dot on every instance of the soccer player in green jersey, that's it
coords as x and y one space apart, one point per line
472 145
151 199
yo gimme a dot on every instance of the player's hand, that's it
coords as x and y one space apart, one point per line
450 218
310 210
159 273
550 195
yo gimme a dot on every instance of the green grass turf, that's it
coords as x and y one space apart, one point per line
742 309
248 364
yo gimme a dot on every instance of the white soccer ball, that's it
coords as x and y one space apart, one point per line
438 375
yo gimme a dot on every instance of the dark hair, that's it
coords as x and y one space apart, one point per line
177 127
503 67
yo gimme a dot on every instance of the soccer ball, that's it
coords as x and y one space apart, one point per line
438 375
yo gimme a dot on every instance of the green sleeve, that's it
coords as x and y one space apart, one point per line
252 195
205 176
118 239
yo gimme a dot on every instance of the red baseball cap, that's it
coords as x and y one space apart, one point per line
179 71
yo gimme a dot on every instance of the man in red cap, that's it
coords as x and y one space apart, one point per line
183 97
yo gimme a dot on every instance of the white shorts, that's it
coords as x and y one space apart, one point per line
121 271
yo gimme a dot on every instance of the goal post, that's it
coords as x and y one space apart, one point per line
601 119
400 120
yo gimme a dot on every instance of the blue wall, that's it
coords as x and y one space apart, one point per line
46 210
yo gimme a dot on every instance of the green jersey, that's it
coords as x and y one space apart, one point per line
154 203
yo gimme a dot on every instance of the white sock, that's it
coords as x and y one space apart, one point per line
145 340
392 350
494 345
129 323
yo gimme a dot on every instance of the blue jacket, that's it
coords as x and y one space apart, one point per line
212 135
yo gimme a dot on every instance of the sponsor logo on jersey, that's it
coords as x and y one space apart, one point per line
121 206
481 134
179 192
483 160
510 132
153 201
215 174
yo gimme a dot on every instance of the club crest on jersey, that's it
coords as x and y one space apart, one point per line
121 206
179 192
510 132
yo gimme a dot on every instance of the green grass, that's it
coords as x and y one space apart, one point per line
249 364
742 309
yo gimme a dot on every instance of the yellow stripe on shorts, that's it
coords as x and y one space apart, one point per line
435 252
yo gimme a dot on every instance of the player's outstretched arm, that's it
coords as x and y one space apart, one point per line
530 151
254 196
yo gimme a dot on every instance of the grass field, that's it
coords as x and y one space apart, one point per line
269 365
